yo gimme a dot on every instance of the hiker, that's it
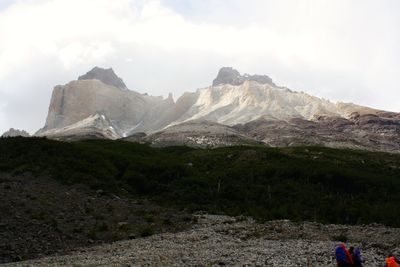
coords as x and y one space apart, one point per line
343 257
356 257
391 261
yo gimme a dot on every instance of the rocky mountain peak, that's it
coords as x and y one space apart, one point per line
107 76
15 132
228 75
258 110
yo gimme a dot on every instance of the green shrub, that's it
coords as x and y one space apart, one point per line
340 238
146 231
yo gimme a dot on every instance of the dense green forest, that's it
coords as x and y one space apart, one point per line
299 183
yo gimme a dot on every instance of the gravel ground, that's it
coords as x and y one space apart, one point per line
221 240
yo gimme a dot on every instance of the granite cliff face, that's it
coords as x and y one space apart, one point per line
235 109
128 111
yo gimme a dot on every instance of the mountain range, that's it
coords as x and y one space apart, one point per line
236 109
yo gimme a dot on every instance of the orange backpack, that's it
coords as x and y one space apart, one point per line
391 262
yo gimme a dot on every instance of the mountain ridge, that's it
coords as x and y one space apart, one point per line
251 104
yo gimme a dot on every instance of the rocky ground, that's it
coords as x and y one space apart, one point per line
40 217
221 240
197 134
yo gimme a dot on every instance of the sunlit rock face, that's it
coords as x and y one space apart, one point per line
96 126
235 109
127 110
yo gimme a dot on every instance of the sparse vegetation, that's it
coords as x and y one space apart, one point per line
146 231
340 238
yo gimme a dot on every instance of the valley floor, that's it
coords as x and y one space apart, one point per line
221 240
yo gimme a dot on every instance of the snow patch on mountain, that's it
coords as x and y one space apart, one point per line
94 126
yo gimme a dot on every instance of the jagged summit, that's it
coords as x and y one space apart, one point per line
241 112
228 75
107 76
15 132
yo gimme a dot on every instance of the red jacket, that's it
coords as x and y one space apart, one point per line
348 256
343 255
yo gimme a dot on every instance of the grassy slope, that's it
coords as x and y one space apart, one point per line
303 183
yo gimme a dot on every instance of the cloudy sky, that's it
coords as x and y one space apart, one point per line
344 50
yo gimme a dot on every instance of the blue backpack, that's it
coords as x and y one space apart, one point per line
340 254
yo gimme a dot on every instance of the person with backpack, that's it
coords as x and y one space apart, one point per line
356 257
343 257
391 261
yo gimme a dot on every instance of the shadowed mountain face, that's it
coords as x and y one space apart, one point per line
367 131
228 75
107 76
236 109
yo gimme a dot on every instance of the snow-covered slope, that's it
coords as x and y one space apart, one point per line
96 126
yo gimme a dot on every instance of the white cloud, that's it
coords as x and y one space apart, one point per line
3 119
77 53
343 50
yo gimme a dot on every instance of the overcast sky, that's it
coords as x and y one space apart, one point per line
343 50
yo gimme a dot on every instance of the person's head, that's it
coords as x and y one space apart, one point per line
351 250
390 255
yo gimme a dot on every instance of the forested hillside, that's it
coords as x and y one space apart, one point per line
299 183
